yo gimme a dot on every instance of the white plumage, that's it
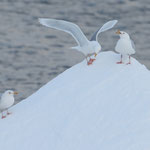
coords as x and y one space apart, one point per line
125 45
6 101
87 47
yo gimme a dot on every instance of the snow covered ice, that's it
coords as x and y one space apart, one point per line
104 106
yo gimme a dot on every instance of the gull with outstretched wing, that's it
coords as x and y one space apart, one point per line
87 47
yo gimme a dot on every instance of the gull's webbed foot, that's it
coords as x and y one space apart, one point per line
90 62
128 63
9 113
120 62
3 117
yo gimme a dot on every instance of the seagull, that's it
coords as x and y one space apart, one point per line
6 101
87 47
125 46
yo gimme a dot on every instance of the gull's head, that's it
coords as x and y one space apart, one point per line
97 47
10 93
122 34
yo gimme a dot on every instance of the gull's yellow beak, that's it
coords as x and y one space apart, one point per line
95 54
118 32
15 93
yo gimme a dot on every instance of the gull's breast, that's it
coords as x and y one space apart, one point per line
124 46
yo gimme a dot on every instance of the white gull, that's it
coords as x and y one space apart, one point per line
125 46
87 47
6 101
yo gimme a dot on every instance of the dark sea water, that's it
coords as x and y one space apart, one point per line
31 54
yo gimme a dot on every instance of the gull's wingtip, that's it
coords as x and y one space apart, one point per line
116 21
45 21
41 20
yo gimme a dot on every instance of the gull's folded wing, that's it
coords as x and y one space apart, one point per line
133 45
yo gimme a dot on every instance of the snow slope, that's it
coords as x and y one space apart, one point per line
100 107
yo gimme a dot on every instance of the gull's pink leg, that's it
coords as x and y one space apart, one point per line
129 60
3 116
89 62
8 113
120 62
92 59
